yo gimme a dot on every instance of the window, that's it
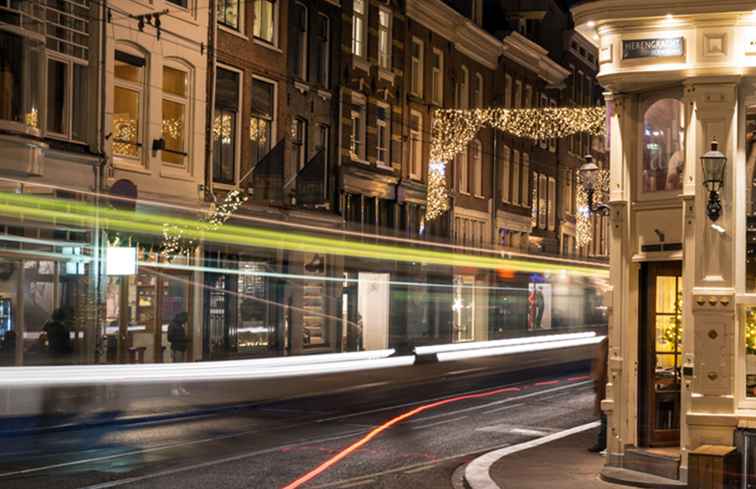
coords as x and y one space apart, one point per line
542 201
476 12
567 192
463 308
225 123
551 217
552 141
476 162
57 88
516 178
416 146
525 172
663 146
462 165
464 89
437 76
534 202
478 91
128 95
417 67
175 116
357 148
359 27
300 53
228 13
508 91
321 50
19 81
518 95
528 102
504 170
261 122
384 137
300 141
324 136
384 39
264 26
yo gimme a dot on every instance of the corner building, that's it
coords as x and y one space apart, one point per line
678 75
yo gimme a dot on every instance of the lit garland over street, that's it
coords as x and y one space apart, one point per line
453 129
583 225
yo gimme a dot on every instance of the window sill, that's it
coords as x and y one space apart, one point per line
232 31
361 63
384 166
361 161
301 86
386 74
132 165
267 45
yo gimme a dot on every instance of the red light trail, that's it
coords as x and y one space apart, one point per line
388 424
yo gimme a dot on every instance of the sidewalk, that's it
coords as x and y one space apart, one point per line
564 463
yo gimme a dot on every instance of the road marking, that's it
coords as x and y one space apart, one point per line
504 408
477 473
466 371
524 431
420 427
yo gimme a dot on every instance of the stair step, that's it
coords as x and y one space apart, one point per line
655 462
616 475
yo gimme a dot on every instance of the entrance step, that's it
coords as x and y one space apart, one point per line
661 462
616 475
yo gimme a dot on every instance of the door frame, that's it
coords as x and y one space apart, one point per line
648 435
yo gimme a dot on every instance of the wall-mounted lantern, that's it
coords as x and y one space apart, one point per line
714 163
589 176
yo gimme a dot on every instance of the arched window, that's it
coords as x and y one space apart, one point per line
664 146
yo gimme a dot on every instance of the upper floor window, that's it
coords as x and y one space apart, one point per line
321 50
175 115
508 91
225 125
518 94
128 105
463 171
504 171
516 178
463 98
524 183
359 27
551 213
357 143
229 13
383 137
301 21
262 120
478 91
437 76
384 39
663 146
20 93
477 12
416 145
417 67
528 102
66 98
300 141
266 18
542 200
476 165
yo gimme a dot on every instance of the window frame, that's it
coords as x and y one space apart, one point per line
188 113
359 48
416 147
361 131
274 42
437 75
69 110
416 67
238 129
239 29
384 58
142 90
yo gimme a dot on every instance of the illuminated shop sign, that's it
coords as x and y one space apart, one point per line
653 48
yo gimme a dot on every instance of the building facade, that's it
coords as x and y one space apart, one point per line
677 77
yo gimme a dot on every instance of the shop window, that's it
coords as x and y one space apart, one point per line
128 104
225 123
175 116
663 146
261 122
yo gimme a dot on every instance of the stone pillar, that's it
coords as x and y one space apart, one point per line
710 332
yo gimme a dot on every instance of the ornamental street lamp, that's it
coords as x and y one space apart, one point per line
589 175
713 163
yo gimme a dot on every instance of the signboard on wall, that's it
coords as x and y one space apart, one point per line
653 48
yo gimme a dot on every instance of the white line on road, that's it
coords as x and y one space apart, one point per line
420 427
523 431
477 473
504 408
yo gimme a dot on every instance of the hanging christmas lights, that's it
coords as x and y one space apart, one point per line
438 197
583 225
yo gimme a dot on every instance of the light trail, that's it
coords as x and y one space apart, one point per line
388 424
321 230
45 209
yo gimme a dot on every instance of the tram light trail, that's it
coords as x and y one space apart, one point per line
25 206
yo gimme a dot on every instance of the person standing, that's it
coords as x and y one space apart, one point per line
599 375
177 337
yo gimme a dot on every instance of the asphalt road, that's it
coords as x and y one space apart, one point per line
270 446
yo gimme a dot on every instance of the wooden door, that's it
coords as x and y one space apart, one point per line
660 343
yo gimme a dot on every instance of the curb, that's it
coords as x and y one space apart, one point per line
478 472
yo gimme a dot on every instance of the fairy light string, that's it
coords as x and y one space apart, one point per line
453 129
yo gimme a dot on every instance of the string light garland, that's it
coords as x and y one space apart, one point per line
583 225
453 129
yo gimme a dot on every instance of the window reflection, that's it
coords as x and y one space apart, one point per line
663 146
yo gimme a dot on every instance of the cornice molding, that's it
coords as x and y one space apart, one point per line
601 11
522 50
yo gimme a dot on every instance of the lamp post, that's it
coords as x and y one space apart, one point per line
588 175
713 163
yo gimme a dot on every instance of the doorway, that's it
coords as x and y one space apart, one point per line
660 354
